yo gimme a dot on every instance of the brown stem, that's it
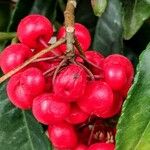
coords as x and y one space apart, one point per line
57 69
92 132
27 62
87 70
46 46
78 46
91 63
47 58
69 24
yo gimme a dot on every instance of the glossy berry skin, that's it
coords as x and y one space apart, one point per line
126 64
81 147
62 135
70 83
48 110
113 109
102 146
13 56
24 86
82 34
115 76
98 97
76 115
17 94
122 61
33 80
32 28
97 59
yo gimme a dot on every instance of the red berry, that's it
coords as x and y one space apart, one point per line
122 61
13 56
62 135
48 110
97 59
81 147
32 28
98 96
33 80
115 76
82 34
17 94
102 146
24 86
76 115
114 109
70 83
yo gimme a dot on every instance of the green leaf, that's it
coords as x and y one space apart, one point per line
108 34
134 124
18 129
22 9
99 6
46 8
135 13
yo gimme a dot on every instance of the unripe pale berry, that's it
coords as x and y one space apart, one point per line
102 146
63 135
70 83
82 34
13 56
32 28
98 96
48 110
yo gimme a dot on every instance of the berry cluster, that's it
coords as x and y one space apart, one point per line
73 97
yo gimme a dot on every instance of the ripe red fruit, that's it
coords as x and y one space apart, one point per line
98 96
13 56
82 34
70 83
76 115
114 109
102 146
115 76
81 147
24 86
97 59
33 80
48 110
17 94
62 135
122 61
32 28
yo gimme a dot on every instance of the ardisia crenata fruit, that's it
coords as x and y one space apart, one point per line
81 147
70 83
13 56
97 59
63 135
34 28
115 76
82 34
76 115
102 146
48 110
98 96
24 86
